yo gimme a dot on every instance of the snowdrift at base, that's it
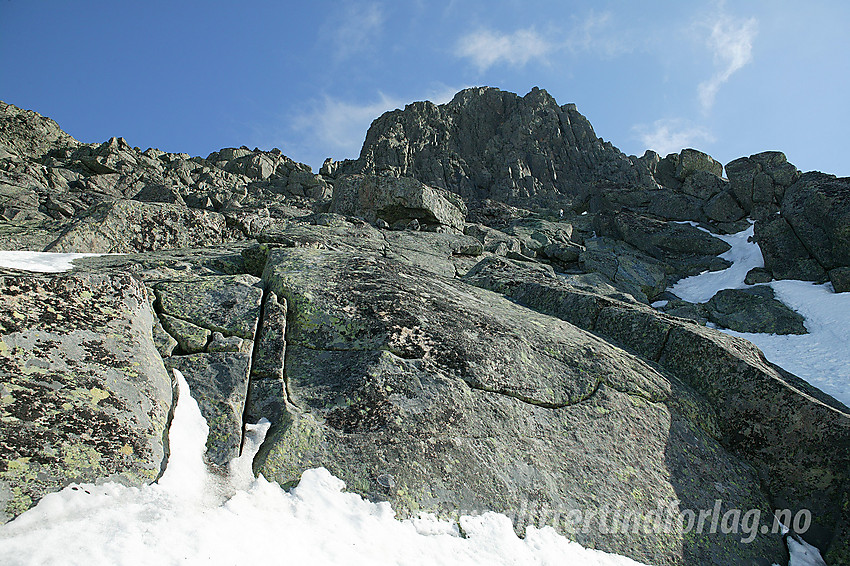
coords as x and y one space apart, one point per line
192 516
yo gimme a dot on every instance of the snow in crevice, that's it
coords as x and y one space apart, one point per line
192 516
744 255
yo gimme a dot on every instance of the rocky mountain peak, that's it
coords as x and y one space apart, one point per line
24 133
490 144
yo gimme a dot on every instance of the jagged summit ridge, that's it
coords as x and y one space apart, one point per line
490 144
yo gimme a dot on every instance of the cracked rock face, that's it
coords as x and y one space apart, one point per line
491 144
470 401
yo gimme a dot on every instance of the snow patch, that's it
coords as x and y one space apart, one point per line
744 255
41 262
192 516
820 357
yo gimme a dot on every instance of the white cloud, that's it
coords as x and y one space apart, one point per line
486 48
672 135
352 30
731 43
594 33
340 125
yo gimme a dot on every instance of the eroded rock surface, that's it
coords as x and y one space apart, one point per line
456 321
85 396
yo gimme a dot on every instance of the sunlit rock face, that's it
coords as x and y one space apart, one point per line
85 396
457 321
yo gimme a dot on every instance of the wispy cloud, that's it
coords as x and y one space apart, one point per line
593 33
352 29
672 135
731 43
338 127
485 47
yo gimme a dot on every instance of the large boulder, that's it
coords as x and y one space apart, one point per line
817 207
758 182
85 395
439 396
754 310
397 201
810 237
784 254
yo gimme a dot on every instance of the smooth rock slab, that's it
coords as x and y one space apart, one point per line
85 396
472 402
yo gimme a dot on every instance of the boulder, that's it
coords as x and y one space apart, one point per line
191 338
397 200
703 185
784 254
85 396
723 208
686 248
470 401
692 161
840 279
758 182
817 207
754 310
159 193
758 275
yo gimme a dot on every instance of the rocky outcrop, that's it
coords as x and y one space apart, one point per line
759 182
491 144
398 202
686 248
48 180
85 396
24 133
124 226
810 236
752 397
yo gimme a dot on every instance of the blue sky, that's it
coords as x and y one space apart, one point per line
729 78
